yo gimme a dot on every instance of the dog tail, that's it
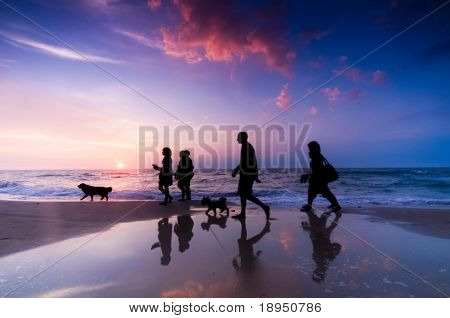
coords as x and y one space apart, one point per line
109 189
223 199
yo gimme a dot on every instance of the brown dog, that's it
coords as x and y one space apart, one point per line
91 191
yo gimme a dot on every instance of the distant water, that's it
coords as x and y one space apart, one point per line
395 187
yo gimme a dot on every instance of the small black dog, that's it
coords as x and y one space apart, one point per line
220 204
91 191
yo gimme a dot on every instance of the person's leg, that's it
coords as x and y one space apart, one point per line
165 189
257 201
312 193
243 207
243 192
188 188
243 204
327 194
183 191
167 194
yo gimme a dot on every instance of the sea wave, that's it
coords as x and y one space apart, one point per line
8 184
397 187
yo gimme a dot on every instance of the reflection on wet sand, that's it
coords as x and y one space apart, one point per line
208 263
183 229
219 220
324 251
165 240
247 258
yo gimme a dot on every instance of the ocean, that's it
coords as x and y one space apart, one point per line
420 187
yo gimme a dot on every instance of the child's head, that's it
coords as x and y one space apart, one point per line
166 152
185 153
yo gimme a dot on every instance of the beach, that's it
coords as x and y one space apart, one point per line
143 249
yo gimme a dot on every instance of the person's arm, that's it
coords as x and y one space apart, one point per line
156 167
304 178
236 170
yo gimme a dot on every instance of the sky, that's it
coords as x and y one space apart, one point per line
78 78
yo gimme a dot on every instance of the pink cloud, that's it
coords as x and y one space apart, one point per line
309 35
154 4
216 31
332 94
356 94
313 111
283 99
379 78
355 74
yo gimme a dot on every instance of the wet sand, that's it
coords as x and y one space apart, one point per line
142 249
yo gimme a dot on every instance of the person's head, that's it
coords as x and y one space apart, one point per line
314 149
318 275
166 152
242 137
185 153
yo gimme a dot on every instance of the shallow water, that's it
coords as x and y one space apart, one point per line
218 260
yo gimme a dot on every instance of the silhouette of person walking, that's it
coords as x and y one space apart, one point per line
246 252
323 250
318 183
165 175
248 174
184 174
183 229
165 240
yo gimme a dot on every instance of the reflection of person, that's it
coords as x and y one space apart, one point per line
248 174
183 229
317 182
185 172
165 175
323 250
165 240
246 253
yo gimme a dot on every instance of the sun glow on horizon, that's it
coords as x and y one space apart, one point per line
120 165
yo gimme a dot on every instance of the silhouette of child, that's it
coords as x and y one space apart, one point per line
165 175
184 175
317 181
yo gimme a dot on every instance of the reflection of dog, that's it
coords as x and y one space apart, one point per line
220 220
91 191
220 204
